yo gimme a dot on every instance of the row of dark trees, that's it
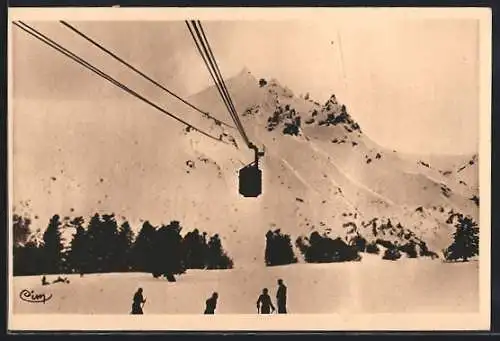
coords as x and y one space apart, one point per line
319 248
103 246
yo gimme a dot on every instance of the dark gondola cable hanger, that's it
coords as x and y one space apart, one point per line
50 42
250 176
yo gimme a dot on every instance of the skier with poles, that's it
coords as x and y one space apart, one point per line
264 304
138 303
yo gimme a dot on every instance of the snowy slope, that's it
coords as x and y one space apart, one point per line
339 174
127 159
409 286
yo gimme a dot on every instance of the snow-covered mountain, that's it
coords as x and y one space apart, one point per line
320 171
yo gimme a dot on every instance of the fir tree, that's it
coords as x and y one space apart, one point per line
52 246
465 240
78 254
123 249
108 243
102 243
195 250
217 258
91 241
142 249
279 250
168 251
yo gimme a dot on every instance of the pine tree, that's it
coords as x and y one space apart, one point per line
92 236
123 249
78 254
168 251
194 248
142 249
279 250
465 240
217 258
108 243
102 235
52 248
65 266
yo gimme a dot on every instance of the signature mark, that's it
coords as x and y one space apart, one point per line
31 296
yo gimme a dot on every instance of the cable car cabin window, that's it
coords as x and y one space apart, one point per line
250 181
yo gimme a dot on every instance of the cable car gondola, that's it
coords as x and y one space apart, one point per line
250 177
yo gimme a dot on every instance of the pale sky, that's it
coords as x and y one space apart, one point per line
412 85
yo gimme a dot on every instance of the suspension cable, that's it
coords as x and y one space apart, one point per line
121 60
211 64
43 38
211 72
224 87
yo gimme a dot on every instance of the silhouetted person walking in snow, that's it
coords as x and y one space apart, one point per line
211 304
44 280
281 297
264 304
138 302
